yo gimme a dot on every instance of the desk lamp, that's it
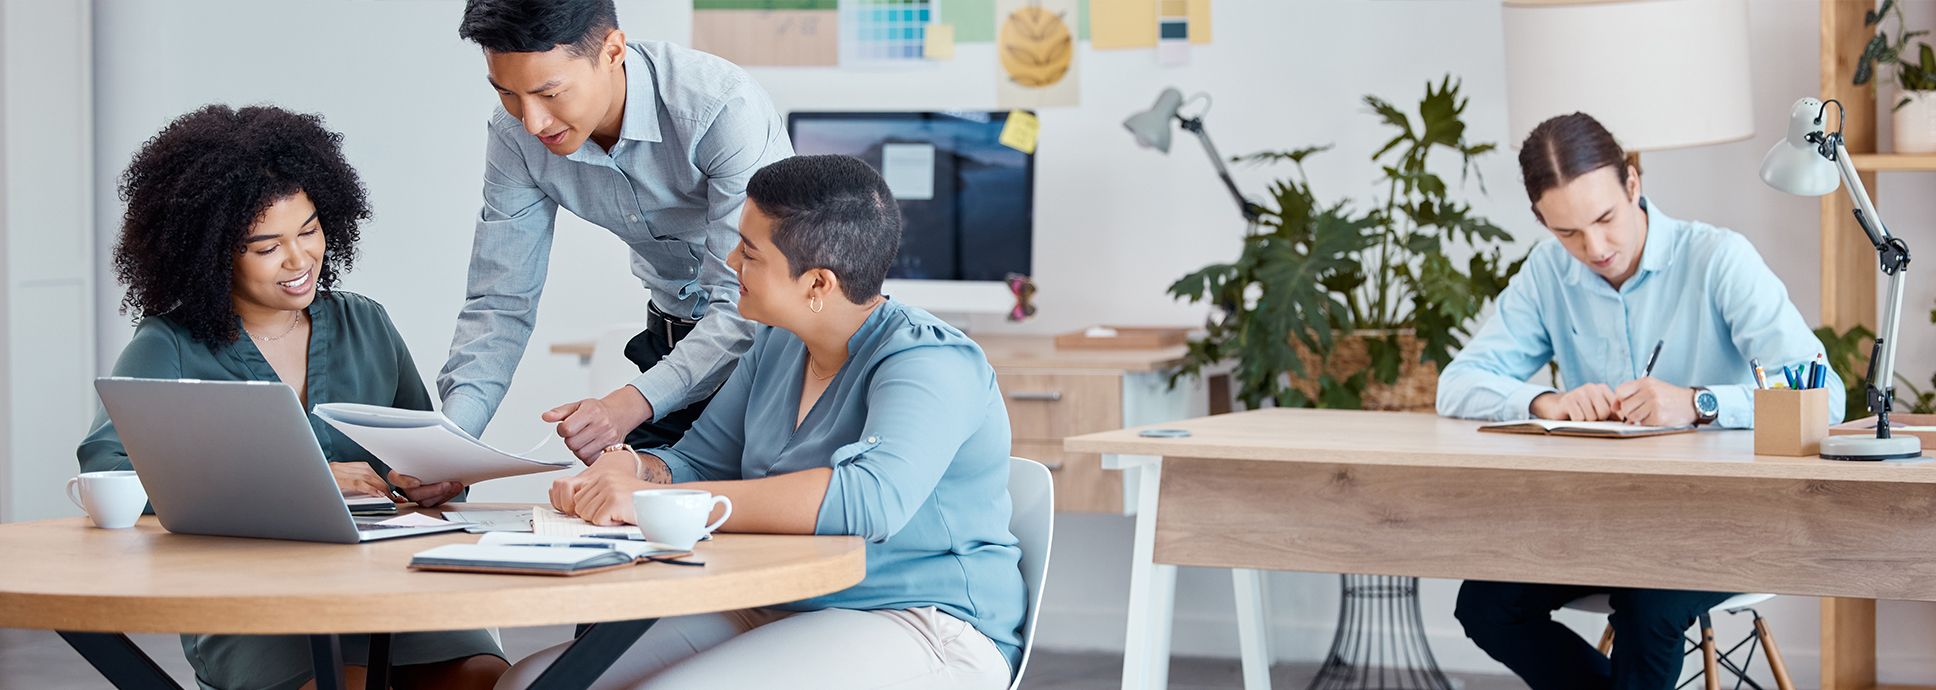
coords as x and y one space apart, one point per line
1152 130
1810 162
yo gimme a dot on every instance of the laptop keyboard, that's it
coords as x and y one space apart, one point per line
376 527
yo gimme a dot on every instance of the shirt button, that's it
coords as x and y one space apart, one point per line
873 439
632 218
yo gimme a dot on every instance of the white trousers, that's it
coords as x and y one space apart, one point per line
768 648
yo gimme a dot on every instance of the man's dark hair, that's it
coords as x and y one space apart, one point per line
1563 148
538 26
831 212
194 190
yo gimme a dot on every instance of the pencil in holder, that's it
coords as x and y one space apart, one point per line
1790 422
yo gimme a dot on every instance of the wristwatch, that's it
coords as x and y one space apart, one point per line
1707 406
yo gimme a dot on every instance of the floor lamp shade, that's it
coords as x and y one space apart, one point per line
1660 74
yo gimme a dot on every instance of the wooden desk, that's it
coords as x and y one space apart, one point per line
68 576
1417 495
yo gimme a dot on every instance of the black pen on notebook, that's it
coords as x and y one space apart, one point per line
1651 359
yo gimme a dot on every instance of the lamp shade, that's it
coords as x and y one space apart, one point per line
1152 127
1660 74
1795 165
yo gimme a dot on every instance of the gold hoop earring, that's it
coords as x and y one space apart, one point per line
815 305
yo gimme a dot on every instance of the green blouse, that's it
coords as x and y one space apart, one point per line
355 355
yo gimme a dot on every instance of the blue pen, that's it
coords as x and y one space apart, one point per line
1818 373
1794 374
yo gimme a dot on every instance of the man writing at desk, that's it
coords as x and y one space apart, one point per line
1621 277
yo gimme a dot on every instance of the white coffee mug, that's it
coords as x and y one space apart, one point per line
112 499
677 517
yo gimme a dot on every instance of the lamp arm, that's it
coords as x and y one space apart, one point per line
1893 256
1252 212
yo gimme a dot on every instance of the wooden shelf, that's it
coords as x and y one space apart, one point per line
1895 162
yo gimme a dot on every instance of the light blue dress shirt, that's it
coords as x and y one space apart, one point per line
917 435
695 129
1701 290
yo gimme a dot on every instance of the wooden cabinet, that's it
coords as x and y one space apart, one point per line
1052 394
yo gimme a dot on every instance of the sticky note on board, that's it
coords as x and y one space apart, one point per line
939 42
1020 130
1117 24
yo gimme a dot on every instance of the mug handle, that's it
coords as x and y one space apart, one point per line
73 492
721 500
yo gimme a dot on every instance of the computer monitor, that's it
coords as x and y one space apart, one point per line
968 201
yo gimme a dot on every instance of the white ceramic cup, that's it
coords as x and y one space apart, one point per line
112 499
677 517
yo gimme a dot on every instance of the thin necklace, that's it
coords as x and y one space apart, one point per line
811 369
293 322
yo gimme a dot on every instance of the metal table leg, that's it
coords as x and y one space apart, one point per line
598 646
326 657
120 661
1380 642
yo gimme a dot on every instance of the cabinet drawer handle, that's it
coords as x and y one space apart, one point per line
1037 396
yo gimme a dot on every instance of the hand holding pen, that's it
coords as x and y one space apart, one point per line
1651 401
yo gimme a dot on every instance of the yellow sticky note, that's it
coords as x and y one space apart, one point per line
1020 130
1199 21
1122 24
940 42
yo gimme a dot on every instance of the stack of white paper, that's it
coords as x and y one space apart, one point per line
427 445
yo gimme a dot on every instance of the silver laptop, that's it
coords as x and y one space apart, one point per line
235 459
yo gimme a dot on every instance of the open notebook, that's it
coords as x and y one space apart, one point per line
1591 429
525 554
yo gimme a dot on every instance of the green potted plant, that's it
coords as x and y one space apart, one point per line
1915 69
1330 306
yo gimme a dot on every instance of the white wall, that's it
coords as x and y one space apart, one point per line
1116 224
46 227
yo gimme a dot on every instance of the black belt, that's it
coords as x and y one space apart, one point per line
673 329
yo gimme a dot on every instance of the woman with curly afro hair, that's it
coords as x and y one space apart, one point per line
238 225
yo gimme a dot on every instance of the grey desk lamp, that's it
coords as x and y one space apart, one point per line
1152 130
1811 162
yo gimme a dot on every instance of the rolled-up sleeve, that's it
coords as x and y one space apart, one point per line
915 425
1487 380
745 135
509 256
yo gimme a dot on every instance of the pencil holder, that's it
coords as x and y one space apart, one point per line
1790 422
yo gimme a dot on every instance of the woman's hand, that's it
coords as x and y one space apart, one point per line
425 495
600 498
358 478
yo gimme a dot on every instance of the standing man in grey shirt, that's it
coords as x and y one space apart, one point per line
651 141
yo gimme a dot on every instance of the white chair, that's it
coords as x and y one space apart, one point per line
1712 662
1032 521
609 367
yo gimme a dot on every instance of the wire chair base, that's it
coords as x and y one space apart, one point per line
1380 642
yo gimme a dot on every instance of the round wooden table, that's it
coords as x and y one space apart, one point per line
92 585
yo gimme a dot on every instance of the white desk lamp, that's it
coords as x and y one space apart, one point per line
1810 162
1152 130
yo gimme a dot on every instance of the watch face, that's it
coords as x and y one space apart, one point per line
1706 403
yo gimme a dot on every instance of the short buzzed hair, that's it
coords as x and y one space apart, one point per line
538 26
831 212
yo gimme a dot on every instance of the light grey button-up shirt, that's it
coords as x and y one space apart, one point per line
695 128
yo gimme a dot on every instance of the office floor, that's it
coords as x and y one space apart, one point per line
37 659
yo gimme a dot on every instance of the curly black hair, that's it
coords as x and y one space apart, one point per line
194 190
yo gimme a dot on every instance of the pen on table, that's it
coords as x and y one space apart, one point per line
1760 375
1651 359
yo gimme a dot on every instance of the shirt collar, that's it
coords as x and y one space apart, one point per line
1656 254
640 121
641 118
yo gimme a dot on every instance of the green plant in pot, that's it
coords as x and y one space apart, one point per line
1915 70
1332 306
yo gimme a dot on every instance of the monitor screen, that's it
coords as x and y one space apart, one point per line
967 199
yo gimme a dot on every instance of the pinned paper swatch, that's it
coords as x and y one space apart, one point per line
940 42
1199 12
1019 131
768 32
1172 32
1115 24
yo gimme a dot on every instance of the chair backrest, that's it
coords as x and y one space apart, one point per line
1031 491
609 367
